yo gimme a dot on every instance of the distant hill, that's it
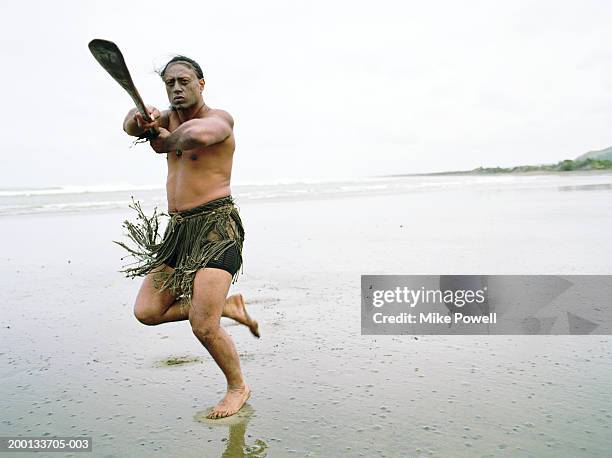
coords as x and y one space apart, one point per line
562 166
603 155
593 160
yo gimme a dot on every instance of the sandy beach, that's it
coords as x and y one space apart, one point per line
74 361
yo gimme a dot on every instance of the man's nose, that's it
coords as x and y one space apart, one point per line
176 88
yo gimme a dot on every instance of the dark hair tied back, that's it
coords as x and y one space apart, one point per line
184 59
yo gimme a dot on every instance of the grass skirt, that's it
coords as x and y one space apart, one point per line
193 236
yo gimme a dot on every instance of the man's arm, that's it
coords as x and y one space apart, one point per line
195 133
135 125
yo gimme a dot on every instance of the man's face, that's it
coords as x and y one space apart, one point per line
183 87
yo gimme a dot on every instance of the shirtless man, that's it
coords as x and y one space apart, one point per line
199 146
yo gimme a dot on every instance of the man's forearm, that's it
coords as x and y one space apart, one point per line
191 135
185 137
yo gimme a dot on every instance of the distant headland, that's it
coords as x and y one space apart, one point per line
593 160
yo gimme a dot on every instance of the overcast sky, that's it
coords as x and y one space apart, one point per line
318 89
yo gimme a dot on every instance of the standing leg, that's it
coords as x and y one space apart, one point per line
210 289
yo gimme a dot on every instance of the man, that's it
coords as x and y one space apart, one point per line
188 274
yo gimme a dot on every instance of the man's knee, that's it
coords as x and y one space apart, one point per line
205 329
146 314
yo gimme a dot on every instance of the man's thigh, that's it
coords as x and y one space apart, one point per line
150 298
210 289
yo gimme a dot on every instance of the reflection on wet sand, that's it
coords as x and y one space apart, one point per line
236 445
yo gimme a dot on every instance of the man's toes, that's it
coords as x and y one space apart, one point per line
254 327
217 413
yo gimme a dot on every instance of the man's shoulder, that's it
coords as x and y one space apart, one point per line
222 114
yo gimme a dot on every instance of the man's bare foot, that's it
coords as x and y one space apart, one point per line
236 310
231 403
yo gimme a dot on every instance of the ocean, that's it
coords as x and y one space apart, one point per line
87 198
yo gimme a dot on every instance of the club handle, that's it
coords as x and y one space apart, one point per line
145 114
150 133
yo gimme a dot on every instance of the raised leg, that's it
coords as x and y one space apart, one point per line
153 307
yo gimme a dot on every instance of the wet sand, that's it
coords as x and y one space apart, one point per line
74 361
